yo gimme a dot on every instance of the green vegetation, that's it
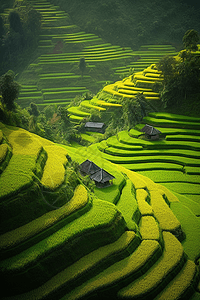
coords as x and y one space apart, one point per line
9 89
61 236
20 35
91 232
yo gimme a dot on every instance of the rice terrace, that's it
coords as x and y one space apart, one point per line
99 150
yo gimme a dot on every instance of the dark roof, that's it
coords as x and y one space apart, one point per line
89 167
150 130
94 124
102 176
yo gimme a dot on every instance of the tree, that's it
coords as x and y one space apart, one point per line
82 65
2 29
190 40
183 81
15 22
34 21
132 111
9 89
167 66
33 110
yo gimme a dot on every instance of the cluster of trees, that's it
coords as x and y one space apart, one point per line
182 75
20 38
52 122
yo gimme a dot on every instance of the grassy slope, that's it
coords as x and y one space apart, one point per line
92 233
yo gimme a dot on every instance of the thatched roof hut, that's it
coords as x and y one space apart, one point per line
151 133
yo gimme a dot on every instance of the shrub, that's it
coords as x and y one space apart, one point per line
9 89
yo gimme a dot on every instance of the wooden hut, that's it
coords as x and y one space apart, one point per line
102 178
88 167
151 133
95 127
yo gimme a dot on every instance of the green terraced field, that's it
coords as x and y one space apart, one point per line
114 238
133 239
173 160
58 67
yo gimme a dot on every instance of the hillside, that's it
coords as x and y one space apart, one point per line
130 230
55 78
134 23
101 234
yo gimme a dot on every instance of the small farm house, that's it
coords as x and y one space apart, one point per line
101 177
151 133
88 167
95 126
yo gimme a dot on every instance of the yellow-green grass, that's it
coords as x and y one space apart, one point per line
152 74
149 228
88 105
125 138
191 227
54 74
113 147
76 239
106 51
76 119
57 101
144 83
29 93
128 206
19 239
150 185
182 285
75 110
124 271
162 272
172 131
104 103
57 62
83 40
183 187
6 154
167 220
1 136
137 181
167 194
143 167
88 138
192 170
167 176
60 89
145 78
61 94
112 192
54 170
143 202
182 161
21 141
189 203
183 138
85 268
171 123
112 143
154 53
3 151
169 116
18 175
